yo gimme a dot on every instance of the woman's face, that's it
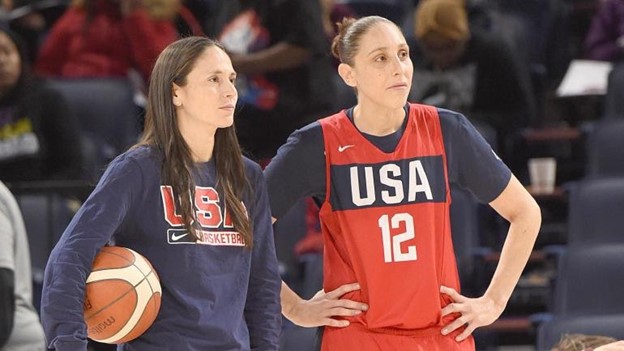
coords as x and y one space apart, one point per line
382 69
10 63
208 98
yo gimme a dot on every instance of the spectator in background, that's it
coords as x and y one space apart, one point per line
32 19
332 13
473 73
282 57
38 135
108 38
605 42
183 18
203 10
605 38
20 329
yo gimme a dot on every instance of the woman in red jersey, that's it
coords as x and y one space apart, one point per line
382 171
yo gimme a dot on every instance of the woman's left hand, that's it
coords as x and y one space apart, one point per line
475 312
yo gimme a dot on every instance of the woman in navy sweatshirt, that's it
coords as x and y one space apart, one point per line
186 199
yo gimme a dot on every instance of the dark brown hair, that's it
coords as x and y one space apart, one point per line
162 132
350 31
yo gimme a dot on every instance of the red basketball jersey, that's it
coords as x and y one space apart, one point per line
385 222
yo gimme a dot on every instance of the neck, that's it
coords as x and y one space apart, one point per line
200 142
203 152
376 120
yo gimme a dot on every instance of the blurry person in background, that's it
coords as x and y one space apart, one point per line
20 329
184 20
605 39
39 137
332 14
28 21
280 52
474 73
109 38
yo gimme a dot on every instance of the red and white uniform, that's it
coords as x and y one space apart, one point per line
386 225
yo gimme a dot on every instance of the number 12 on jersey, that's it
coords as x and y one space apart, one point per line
392 243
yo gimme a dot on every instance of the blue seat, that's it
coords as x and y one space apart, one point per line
605 148
596 209
590 281
613 102
108 116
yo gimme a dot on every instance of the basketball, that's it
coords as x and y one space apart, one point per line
122 296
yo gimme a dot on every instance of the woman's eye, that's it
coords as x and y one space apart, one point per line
213 79
380 58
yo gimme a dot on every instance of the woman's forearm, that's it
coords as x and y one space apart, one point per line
289 300
523 214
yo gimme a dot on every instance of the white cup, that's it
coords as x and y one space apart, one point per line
542 172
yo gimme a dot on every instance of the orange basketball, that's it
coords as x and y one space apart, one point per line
122 296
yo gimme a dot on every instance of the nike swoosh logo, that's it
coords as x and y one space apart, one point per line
343 148
176 237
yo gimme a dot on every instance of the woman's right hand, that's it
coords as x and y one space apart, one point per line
321 309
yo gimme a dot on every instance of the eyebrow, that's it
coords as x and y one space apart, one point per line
222 72
383 48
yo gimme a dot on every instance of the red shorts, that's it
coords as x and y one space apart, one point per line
356 337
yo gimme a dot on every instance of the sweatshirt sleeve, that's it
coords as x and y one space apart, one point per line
297 171
71 259
263 309
472 163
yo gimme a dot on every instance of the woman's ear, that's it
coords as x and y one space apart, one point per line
346 73
175 90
